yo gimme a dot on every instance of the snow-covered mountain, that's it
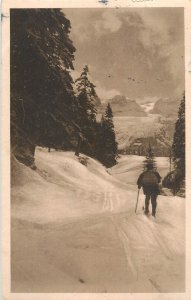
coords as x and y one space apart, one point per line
148 106
124 106
74 229
129 129
166 107
133 121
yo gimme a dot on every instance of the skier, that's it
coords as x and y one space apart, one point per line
150 180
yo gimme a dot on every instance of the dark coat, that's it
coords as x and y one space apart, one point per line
149 189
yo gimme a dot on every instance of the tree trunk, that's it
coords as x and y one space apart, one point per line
170 164
24 151
78 146
170 159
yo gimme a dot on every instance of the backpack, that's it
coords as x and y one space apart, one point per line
149 178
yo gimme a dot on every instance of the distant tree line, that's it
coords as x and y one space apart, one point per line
139 146
46 110
149 158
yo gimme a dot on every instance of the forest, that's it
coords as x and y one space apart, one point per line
50 109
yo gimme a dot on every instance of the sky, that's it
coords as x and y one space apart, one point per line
136 52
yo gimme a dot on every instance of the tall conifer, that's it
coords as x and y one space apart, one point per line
43 105
178 147
86 94
110 151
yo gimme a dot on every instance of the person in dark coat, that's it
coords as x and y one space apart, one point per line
149 180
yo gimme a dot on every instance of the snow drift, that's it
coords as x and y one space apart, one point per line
74 229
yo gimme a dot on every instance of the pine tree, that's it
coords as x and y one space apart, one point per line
109 146
100 142
86 94
43 105
150 158
178 147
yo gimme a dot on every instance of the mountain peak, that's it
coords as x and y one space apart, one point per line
124 106
167 107
120 99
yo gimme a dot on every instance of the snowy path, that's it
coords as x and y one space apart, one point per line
148 254
84 234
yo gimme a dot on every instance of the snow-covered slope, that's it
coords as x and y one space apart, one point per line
127 128
166 107
74 229
61 186
123 106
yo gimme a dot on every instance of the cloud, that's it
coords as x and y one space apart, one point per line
82 20
142 43
98 22
160 36
106 94
145 100
109 22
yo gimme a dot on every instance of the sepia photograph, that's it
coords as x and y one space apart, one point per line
97 139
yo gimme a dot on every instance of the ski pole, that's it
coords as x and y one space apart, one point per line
137 201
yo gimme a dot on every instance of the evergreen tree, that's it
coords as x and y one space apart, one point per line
100 143
178 147
43 105
150 158
86 94
109 151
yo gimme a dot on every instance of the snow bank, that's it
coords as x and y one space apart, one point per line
74 229
61 188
